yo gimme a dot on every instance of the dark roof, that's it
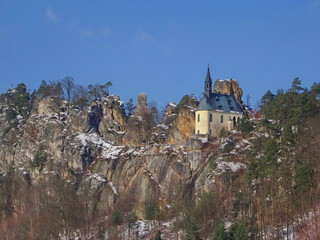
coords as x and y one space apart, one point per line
219 102
208 77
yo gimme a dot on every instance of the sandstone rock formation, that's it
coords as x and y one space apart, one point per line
79 149
181 119
230 87
142 104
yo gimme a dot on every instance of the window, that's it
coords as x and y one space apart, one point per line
210 118
198 131
221 119
210 131
198 117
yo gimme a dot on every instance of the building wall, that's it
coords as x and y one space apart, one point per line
213 127
201 123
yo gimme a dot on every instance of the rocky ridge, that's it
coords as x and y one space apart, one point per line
93 149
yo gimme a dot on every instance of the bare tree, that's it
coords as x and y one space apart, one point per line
80 96
68 85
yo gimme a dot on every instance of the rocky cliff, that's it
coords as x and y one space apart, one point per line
94 150
230 87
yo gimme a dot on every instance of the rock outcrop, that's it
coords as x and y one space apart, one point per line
81 148
113 118
229 87
142 106
181 119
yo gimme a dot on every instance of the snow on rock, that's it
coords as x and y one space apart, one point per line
143 229
230 166
109 151
173 104
113 189
224 142
163 126
139 152
97 177
203 140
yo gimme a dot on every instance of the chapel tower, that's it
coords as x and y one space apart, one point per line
208 84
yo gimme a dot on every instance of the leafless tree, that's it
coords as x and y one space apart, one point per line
68 85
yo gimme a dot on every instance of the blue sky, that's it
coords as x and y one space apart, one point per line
163 47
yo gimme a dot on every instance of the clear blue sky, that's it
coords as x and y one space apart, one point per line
163 47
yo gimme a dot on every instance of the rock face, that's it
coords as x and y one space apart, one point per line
142 104
84 149
230 87
182 126
181 119
113 118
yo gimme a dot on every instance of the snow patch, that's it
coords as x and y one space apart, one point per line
108 151
97 177
113 189
173 104
230 166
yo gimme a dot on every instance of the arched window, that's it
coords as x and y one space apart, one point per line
198 117
210 117
234 121
238 120
221 118
198 131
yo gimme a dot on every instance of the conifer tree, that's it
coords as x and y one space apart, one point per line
192 230
220 232
129 107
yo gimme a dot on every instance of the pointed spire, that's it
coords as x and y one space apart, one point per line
208 78
208 84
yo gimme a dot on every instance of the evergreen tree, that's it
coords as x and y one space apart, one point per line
151 210
19 103
220 232
132 219
192 230
130 107
296 85
116 217
265 101
238 231
267 97
53 88
157 236
183 103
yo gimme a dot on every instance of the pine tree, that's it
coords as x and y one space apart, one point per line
116 217
157 236
192 230
220 232
238 231
129 107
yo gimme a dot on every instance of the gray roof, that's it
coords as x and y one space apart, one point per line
219 102
208 77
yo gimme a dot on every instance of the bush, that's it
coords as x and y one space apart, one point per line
245 126
116 217
238 231
39 160
220 232
151 210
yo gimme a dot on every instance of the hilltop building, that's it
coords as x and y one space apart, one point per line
216 111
